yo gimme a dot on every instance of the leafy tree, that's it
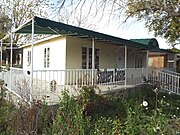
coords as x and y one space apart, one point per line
19 11
4 22
161 16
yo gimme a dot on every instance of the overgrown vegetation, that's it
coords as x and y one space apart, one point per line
147 111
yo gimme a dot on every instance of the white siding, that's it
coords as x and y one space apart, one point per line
57 55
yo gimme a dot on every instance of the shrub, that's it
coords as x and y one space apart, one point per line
144 112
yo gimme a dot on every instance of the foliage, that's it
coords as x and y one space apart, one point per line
4 24
17 12
145 112
14 13
6 114
87 114
175 50
162 17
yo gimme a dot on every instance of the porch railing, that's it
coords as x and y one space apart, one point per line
17 81
169 72
167 80
136 76
48 84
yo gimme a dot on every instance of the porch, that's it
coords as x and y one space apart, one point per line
48 84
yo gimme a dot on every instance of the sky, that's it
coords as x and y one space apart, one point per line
133 30
130 30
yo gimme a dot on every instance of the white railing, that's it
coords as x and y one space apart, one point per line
17 81
48 84
135 76
170 72
114 79
167 80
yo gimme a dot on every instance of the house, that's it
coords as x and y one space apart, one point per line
159 58
72 57
163 59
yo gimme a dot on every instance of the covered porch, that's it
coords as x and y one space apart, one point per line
129 68
49 84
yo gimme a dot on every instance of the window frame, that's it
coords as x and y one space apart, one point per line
29 57
87 54
46 57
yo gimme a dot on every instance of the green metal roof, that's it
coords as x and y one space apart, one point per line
45 26
152 43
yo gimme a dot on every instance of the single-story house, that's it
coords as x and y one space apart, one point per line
71 57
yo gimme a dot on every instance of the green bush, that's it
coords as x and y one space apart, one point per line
147 111
6 114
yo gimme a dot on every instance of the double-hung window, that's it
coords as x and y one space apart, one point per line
87 58
46 57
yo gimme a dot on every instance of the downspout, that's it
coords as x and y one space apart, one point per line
32 48
125 66
93 63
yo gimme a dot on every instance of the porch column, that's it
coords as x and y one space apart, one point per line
11 55
174 64
167 61
93 63
32 47
158 60
125 65
147 61
1 51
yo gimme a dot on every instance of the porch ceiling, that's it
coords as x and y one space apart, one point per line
45 26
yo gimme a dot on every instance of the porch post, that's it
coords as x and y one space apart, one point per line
11 55
93 63
167 61
32 46
174 64
1 52
158 60
147 61
125 65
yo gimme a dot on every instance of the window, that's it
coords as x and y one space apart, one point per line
46 57
97 58
138 61
87 58
84 58
29 58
